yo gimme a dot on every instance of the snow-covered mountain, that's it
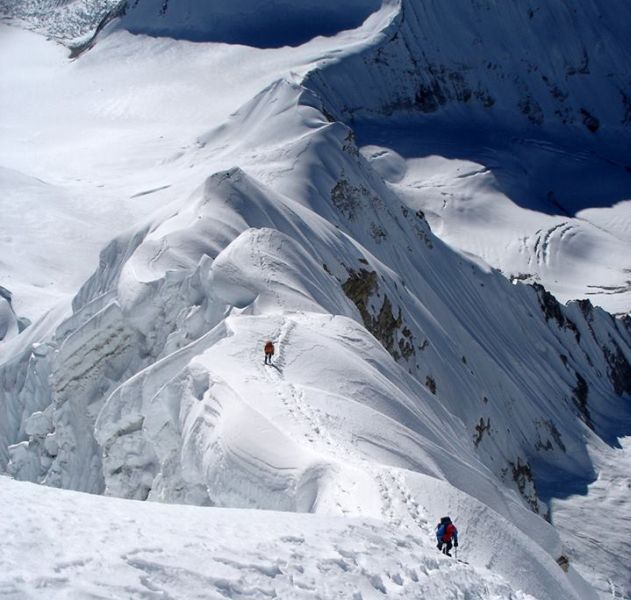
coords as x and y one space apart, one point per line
239 193
508 124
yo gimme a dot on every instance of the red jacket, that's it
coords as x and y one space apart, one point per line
269 348
450 532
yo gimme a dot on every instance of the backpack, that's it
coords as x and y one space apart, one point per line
448 534
444 530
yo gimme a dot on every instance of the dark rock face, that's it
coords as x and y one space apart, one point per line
619 370
579 397
359 287
480 429
552 310
589 120
523 477
346 198
564 562
389 329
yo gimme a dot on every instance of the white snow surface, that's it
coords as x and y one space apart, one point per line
612 488
168 206
112 142
108 548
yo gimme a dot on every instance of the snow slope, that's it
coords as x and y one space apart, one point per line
559 65
112 141
108 548
410 380
540 210
612 488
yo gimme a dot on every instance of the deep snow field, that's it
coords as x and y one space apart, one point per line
197 181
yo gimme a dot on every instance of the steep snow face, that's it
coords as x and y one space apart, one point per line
558 64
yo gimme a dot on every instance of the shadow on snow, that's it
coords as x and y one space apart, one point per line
552 176
270 24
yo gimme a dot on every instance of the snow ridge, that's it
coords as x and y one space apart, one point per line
149 351
408 377
454 58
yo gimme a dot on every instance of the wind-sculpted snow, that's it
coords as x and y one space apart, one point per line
409 380
159 387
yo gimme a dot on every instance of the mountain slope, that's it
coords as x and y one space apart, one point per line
157 308
561 65
508 126
411 380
